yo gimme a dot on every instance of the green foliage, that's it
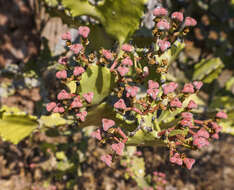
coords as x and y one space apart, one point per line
99 80
119 18
16 125
208 70
53 120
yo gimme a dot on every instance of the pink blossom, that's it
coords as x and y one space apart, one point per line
82 115
188 88
192 104
215 136
199 122
177 16
169 87
63 95
107 54
186 123
118 148
164 45
176 103
107 159
120 104
163 25
159 11
61 74
200 141
197 84
50 106
56 109
145 71
88 96
78 71
216 127
83 31
189 162
76 103
107 123
131 91
221 115
187 115
190 22
153 93
62 60
127 61
97 134
203 133
61 109
127 47
152 84
123 70
66 36
76 48
176 159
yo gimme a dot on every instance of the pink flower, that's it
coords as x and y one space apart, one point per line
192 105
76 103
153 93
203 133
82 115
63 95
221 115
78 71
186 123
131 91
107 54
199 122
50 106
176 103
169 87
189 162
177 16
145 71
164 45
107 123
187 115
127 47
215 136
118 148
152 84
159 11
62 60
127 61
190 22
61 109
188 88
61 74
216 127
123 70
197 84
66 36
83 31
200 141
76 48
88 97
163 25
120 104
176 159
56 109
107 159
97 134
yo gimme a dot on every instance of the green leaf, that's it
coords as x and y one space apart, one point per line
72 86
99 80
208 70
53 120
16 125
120 18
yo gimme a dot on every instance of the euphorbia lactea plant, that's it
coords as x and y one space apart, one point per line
146 108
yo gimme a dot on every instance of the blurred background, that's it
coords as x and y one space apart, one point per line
30 45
